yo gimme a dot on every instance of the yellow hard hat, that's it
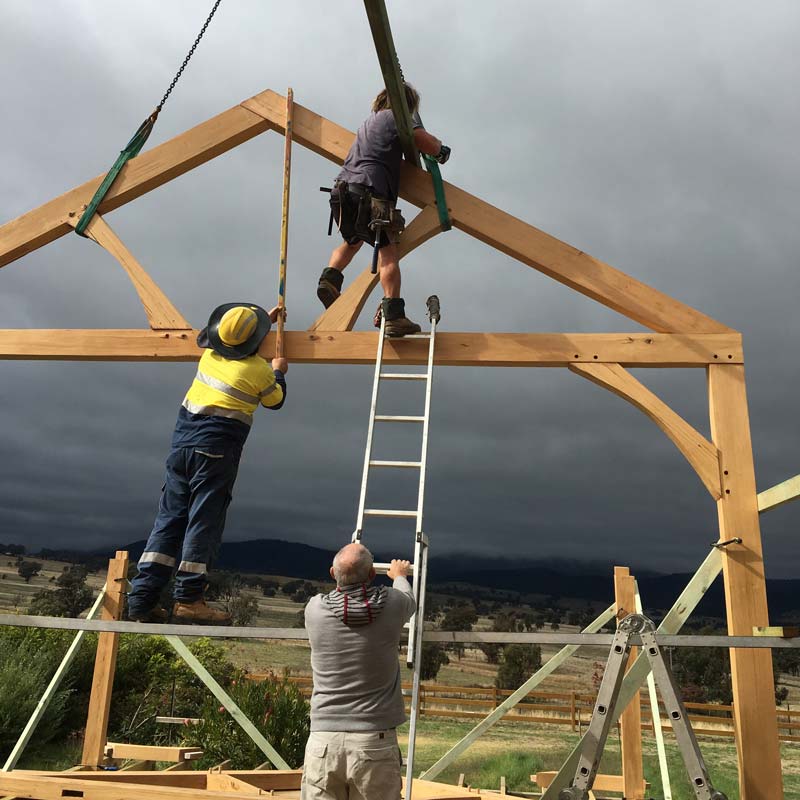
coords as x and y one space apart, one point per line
237 325
235 330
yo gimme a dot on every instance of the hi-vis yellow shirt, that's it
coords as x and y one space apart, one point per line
224 387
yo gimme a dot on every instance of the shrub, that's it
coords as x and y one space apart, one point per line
71 597
28 659
434 658
276 708
153 679
519 662
29 569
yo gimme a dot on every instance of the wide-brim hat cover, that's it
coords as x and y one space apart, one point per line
209 336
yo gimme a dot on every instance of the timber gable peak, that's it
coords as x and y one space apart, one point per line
266 111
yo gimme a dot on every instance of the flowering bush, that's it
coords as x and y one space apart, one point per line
274 705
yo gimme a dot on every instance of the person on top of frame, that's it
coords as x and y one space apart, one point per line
365 191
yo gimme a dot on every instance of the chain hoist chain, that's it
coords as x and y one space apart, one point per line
188 56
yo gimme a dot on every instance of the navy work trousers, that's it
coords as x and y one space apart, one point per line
189 525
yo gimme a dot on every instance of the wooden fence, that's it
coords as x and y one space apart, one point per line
567 709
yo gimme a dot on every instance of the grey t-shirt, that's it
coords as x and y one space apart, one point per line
356 668
375 156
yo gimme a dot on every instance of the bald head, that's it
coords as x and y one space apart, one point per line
352 564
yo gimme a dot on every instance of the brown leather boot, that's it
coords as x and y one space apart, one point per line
199 613
397 324
330 286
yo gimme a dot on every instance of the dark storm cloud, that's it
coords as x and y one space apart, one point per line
660 138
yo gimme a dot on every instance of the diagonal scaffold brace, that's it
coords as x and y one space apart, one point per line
636 626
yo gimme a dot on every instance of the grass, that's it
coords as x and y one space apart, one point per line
517 751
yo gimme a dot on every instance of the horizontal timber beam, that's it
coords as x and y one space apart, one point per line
358 347
146 752
186 779
53 788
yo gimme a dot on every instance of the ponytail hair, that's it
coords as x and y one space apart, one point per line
381 102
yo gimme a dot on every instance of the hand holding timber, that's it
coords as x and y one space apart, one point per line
281 364
275 311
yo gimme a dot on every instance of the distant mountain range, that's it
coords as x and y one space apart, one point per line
586 581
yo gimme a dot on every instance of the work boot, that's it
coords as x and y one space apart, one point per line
199 613
157 614
330 286
397 324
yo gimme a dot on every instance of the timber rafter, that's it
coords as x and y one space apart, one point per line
266 111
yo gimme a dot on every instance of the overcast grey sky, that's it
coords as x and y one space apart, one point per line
659 137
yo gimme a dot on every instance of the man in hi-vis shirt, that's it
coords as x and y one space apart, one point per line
232 380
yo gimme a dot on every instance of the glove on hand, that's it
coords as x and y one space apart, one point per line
443 154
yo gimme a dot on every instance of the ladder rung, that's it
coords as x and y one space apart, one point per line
388 512
395 418
382 568
407 464
411 336
404 376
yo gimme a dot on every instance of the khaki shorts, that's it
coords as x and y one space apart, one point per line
352 766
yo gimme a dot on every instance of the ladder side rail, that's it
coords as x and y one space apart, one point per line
370 429
425 425
421 576
602 718
412 625
676 711
418 586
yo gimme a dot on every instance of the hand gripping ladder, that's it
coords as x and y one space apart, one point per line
640 627
419 566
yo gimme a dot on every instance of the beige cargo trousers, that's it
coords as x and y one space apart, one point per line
352 766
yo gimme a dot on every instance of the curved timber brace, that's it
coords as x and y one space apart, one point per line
698 451
161 314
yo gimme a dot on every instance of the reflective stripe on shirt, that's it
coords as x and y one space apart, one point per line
226 388
217 411
269 390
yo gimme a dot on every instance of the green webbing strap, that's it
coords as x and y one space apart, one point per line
131 151
438 190
139 138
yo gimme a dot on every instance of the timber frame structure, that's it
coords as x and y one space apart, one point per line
681 337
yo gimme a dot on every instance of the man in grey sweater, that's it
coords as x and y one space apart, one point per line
354 631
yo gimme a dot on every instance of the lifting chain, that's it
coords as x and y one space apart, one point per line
188 56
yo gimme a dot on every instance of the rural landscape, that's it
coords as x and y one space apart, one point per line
461 684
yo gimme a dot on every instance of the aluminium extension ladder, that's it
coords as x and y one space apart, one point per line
419 567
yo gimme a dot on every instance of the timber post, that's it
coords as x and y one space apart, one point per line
755 717
105 664
630 721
